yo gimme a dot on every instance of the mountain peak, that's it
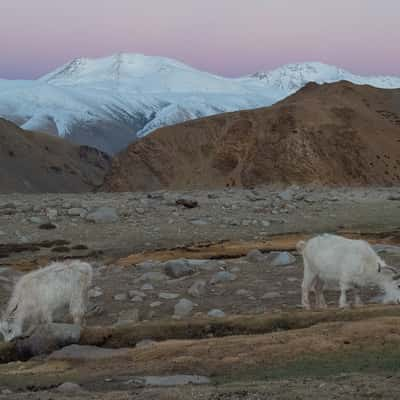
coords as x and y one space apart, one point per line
116 67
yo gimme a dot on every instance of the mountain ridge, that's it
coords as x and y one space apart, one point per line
113 101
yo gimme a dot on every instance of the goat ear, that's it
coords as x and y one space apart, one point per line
379 267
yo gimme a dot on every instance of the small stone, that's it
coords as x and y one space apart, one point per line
47 226
145 344
198 288
215 313
147 286
77 212
140 210
280 259
155 304
265 224
255 256
271 295
51 213
69 387
153 276
103 215
179 268
187 203
36 220
136 293
199 222
95 292
183 308
128 316
121 297
242 292
222 276
137 299
286 195
168 296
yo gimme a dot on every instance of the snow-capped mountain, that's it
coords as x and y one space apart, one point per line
110 102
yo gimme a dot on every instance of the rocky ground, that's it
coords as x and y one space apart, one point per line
105 228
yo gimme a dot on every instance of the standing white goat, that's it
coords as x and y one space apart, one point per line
331 260
37 295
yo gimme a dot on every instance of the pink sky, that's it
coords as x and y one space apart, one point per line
228 37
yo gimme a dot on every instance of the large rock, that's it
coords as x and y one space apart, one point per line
103 215
47 338
178 268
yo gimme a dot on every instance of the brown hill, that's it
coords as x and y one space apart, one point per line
336 133
37 162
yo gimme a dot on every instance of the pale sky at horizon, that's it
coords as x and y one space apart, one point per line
227 37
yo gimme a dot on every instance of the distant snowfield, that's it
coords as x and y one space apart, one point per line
110 102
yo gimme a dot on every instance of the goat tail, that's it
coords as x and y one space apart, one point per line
300 246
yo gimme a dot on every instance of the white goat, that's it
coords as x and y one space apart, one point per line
332 261
38 294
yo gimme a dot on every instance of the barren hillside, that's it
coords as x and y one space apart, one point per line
337 133
37 162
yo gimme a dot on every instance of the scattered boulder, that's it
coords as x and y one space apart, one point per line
198 288
147 286
103 215
280 258
216 313
183 308
222 276
178 268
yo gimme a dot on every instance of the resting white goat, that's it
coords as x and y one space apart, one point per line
331 260
39 294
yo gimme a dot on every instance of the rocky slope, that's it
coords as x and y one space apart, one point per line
37 162
337 133
110 102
